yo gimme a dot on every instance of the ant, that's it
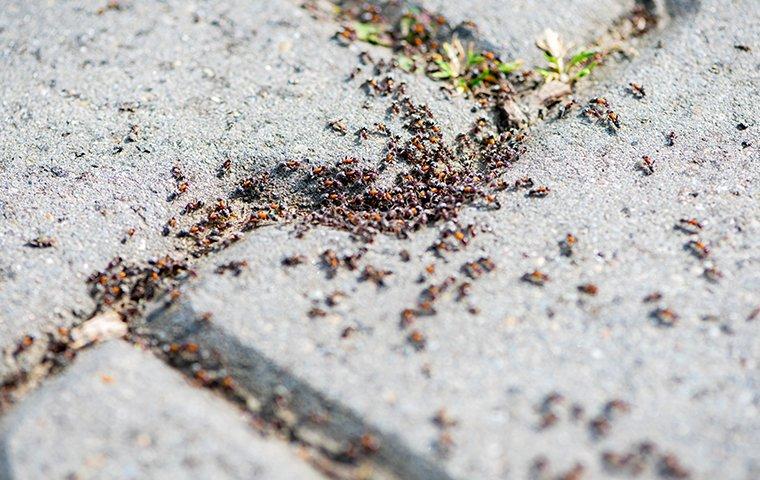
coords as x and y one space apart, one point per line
646 165
636 90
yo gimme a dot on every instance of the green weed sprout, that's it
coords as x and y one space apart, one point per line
467 69
561 66
372 33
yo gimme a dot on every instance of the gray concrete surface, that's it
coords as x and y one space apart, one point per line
692 388
253 82
119 412
257 82
512 28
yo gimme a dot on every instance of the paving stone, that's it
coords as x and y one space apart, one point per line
691 388
253 82
119 412
512 27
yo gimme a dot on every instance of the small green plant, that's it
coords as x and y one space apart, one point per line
372 33
467 69
452 62
561 66
414 40
407 63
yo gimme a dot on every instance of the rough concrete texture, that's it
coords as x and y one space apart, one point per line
513 27
691 389
257 82
97 107
120 413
